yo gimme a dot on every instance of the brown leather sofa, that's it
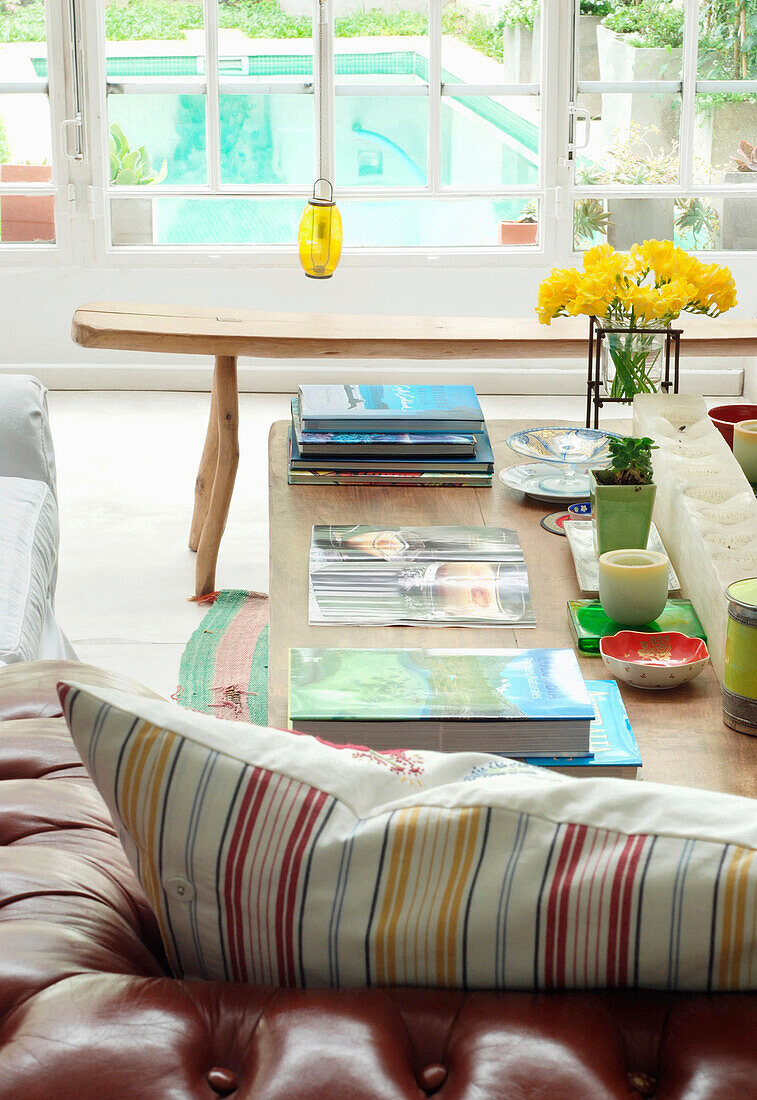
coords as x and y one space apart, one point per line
88 1011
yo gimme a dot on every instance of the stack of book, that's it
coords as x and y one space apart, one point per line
389 435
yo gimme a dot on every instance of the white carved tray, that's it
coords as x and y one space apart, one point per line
581 541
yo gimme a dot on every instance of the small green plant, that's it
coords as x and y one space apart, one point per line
655 24
590 219
130 167
699 218
630 462
528 213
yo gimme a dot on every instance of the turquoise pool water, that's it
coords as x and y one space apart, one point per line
268 140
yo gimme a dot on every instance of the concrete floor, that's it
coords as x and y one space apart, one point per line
126 468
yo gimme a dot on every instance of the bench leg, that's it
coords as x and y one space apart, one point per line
227 420
206 473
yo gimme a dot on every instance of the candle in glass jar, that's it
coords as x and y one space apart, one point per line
633 585
745 447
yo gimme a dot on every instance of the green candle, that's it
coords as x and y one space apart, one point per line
740 680
745 447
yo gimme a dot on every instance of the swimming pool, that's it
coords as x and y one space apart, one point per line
268 140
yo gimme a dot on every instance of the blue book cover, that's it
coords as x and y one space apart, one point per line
611 740
391 442
390 408
481 462
385 685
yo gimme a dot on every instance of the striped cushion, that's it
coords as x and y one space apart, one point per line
278 859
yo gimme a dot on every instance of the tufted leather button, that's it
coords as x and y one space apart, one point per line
642 1083
432 1078
180 888
222 1080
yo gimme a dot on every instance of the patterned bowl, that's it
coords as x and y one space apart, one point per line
578 446
653 661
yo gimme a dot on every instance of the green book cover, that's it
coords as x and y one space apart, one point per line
589 623
411 684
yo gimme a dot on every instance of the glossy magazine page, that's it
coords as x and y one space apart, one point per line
454 576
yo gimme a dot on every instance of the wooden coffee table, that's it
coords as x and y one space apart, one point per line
681 733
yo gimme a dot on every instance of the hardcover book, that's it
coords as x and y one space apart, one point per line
482 462
448 576
388 444
614 751
589 623
390 408
529 702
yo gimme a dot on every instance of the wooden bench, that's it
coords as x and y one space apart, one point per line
228 333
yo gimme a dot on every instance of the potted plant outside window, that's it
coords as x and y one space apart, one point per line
739 229
131 219
523 229
623 495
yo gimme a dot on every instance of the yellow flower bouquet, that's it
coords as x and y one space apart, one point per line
642 291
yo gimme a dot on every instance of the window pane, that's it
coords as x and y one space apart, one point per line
489 141
170 220
636 41
267 139
381 141
170 129
25 218
722 122
727 40
178 27
260 41
634 142
25 132
381 45
438 223
492 46
694 223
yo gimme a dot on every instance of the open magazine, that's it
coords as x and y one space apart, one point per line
406 576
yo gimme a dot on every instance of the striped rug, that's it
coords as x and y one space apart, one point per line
224 667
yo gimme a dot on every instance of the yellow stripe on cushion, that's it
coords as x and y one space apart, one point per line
399 859
446 935
734 913
143 741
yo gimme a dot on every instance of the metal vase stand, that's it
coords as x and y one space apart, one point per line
594 397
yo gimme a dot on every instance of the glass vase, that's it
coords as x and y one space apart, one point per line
632 362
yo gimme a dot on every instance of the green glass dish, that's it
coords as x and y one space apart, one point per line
589 623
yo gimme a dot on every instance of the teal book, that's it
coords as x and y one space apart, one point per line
614 751
589 623
390 409
522 702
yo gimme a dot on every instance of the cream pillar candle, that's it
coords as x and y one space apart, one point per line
745 447
633 585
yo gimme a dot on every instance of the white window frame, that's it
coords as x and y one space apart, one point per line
688 86
59 88
81 183
547 193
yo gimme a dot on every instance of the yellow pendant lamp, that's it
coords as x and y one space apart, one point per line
320 235
320 232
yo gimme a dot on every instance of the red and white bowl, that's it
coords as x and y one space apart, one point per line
653 661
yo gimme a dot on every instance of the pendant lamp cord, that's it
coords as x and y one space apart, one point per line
322 28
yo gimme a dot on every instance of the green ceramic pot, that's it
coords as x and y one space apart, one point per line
621 515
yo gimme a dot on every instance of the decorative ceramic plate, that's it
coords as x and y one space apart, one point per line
587 447
581 541
538 480
582 510
554 522
654 661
